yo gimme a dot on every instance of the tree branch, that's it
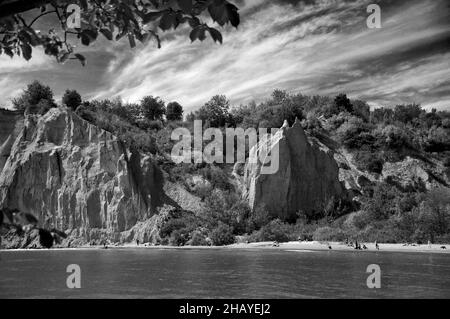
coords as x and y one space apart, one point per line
10 7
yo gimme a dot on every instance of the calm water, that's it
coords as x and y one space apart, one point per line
222 273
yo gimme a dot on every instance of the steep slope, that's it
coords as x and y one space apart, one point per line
78 178
307 179
11 123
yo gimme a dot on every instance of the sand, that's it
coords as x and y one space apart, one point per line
291 246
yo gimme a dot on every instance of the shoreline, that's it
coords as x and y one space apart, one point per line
313 246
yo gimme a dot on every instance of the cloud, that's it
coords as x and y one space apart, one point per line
312 47
320 48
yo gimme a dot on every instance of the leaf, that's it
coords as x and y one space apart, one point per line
197 33
233 15
85 40
83 4
107 33
132 41
223 12
152 16
8 52
167 21
120 35
88 36
216 35
218 12
185 5
81 58
64 56
26 51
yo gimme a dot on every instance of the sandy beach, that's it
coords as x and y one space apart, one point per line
293 245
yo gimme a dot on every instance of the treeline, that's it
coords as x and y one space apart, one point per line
386 212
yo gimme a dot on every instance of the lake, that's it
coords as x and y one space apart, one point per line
222 273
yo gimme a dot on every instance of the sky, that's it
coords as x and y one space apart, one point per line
309 47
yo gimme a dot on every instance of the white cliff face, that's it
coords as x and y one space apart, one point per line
78 178
307 178
11 124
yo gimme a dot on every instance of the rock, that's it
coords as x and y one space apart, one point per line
307 178
74 176
11 124
414 175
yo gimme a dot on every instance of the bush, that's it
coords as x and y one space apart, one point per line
222 235
276 230
153 108
198 239
37 98
174 112
329 234
71 99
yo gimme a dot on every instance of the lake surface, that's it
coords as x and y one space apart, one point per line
222 273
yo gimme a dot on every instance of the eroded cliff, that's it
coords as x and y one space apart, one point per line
307 179
78 178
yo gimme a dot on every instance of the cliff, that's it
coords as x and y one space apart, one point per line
76 177
307 179
11 123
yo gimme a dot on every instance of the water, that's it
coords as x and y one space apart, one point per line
222 273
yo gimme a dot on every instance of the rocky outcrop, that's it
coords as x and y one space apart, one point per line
307 179
11 124
413 174
78 178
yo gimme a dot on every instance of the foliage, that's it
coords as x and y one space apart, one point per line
174 111
72 99
153 108
327 233
36 98
114 19
343 104
215 111
276 230
222 235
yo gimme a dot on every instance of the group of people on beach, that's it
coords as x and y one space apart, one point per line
358 246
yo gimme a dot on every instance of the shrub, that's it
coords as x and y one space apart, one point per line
276 230
329 234
342 103
198 239
153 108
222 235
37 98
174 112
71 99
215 111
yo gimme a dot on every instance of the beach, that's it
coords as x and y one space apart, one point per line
292 245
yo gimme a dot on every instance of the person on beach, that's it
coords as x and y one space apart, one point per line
137 242
376 245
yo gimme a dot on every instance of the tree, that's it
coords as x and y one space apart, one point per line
72 99
153 107
407 113
222 235
342 103
36 98
114 19
174 112
215 111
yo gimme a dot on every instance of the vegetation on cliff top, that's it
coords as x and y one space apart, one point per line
385 212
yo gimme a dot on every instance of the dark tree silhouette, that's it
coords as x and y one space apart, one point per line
174 111
153 107
137 20
342 102
72 99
